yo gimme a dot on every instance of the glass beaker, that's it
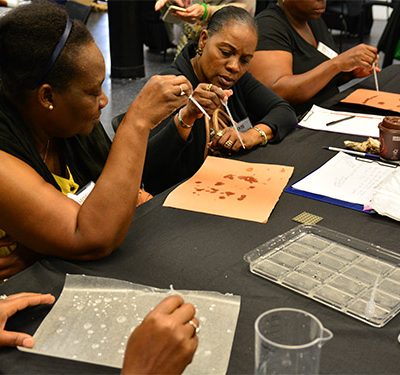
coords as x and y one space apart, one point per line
288 341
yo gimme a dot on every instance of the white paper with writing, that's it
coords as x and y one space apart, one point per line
346 178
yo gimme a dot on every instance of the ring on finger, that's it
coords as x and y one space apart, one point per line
228 143
182 91
195 326
209 87
219 133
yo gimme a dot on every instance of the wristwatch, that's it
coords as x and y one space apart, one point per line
263 135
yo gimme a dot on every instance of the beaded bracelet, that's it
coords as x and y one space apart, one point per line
181 122
205 14
263 135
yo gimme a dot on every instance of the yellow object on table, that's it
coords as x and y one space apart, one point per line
6 249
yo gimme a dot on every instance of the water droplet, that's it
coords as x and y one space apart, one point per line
59 330
80 307
98 301
207 352
95 309
61 318
121 351
121 319
99 354
103 326
74 356
115 298
95 346
107 299
87 325
76 341
90 332
228 331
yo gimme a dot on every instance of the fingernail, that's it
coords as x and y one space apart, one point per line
28 342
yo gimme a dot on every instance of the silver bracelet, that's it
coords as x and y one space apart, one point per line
182 123
263 135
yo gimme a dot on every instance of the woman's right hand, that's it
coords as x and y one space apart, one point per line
209 97
360 56
165 342
160 96
161 4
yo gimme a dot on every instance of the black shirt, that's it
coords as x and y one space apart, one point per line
170 159
275 33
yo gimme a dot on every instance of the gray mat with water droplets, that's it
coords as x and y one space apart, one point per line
94 316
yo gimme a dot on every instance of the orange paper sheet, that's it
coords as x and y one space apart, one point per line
376 99
232 188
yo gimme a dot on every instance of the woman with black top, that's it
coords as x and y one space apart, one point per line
296 55
217 69
51 141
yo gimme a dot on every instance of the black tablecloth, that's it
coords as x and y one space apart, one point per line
204 252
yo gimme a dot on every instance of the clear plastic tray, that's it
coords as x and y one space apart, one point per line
355 277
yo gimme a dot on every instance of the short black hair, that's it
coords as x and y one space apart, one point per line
228 14
28 36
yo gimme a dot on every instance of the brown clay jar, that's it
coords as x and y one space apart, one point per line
389 136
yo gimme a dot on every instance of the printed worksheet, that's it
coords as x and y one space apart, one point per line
347 178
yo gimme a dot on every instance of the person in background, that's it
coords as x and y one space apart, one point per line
197 14
216 67
52 142
164 343
297 58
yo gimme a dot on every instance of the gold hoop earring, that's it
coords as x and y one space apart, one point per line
51 107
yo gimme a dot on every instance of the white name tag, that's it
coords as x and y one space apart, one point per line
244 125
325 50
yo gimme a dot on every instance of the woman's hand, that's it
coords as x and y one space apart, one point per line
229 139
359 57
161 96
165 342
161 4
17 261
193 14
9 306
209 97
365 72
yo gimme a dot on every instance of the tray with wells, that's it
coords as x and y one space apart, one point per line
355 277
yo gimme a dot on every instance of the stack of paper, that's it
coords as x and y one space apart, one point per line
344 178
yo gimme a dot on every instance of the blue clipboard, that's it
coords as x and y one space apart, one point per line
324 198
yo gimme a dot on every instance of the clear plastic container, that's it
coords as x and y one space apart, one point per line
355 277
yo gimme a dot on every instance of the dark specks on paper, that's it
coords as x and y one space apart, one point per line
249 179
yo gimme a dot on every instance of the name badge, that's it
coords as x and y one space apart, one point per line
325 50
244 125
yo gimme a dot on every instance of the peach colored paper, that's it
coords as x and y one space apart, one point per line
376 99
232 188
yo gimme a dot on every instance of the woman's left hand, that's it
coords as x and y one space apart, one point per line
228 139
9 305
